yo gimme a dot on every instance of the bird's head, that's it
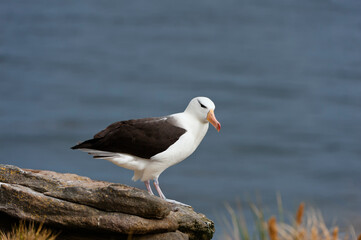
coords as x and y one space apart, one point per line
203 109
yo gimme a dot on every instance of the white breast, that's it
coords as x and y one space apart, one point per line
181 149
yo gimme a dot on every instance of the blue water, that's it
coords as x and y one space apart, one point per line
285 77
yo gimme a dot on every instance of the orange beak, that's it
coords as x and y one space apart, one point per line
212 119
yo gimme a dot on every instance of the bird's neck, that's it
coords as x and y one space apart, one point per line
197 127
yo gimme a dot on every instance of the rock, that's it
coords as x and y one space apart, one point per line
196 225
169 236
101 195
70 202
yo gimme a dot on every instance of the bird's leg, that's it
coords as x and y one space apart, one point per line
147 184
156 185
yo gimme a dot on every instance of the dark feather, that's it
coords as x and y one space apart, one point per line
140 137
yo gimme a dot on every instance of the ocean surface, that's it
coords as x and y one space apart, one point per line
285 76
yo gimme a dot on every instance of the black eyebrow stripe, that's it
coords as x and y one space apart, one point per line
201 104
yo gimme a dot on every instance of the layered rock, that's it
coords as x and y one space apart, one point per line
74 203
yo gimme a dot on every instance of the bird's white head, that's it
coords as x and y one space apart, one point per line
203 109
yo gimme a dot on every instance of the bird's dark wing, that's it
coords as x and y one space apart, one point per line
140 137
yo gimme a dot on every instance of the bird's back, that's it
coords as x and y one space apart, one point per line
142 138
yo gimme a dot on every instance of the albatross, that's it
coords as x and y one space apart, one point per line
148 146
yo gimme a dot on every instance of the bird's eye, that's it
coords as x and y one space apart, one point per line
201 104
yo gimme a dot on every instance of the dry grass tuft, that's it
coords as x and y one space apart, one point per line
28 232
299 214
314 233
272 228
313 227
335 233
306 225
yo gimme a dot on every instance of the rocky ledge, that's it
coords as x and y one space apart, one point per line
82 208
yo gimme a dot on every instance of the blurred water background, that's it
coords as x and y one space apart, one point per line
285 76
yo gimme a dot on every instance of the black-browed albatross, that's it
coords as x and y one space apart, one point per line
149 146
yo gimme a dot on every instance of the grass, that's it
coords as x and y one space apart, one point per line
30 231
306 224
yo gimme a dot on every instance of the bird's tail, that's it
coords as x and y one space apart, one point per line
88 144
